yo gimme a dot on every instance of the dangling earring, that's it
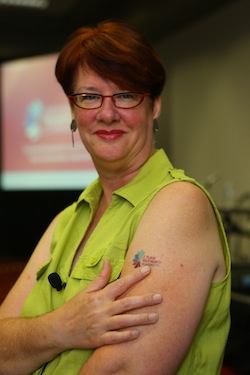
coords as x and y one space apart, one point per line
155 126
73 127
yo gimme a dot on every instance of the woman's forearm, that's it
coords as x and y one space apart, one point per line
93 318
26 344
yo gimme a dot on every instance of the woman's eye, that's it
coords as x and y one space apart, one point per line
89 97
126 95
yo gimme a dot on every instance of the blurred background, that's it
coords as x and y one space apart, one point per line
204 125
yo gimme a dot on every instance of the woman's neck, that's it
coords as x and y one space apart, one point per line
110 183
114 175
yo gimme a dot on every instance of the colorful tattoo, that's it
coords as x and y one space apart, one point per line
137 258
140 259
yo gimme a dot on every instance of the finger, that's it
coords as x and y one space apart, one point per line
131 303
130 320
118 328
102 279
121 285
117 337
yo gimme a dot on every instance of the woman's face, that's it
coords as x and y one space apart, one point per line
123 138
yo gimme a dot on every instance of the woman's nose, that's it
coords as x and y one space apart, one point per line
108 111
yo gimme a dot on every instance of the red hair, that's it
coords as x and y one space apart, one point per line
116 53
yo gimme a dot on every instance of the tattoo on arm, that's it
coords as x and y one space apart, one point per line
141 259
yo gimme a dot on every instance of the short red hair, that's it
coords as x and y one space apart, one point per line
116 53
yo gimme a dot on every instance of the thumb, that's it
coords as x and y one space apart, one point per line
102 279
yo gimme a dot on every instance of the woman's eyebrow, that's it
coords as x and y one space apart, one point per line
88 88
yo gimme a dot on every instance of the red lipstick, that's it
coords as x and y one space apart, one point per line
109 135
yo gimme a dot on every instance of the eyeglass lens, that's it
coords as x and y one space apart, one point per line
121 100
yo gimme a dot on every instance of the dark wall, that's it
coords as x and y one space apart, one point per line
25 216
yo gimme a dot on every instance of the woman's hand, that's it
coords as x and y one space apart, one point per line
96 317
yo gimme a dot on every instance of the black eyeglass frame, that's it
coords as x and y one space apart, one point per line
142 96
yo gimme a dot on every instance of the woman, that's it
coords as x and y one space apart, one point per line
141 211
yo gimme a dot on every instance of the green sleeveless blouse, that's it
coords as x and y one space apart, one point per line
111 239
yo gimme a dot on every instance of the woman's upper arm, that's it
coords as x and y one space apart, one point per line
178 238
12 305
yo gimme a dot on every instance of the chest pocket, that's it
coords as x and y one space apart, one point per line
90 265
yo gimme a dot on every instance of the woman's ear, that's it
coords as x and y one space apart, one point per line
157 107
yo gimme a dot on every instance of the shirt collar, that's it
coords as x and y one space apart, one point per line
152 173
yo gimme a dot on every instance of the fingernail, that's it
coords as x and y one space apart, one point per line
145 269
135 333
153 317
157 297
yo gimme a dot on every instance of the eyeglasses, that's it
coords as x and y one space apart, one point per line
124 100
